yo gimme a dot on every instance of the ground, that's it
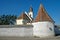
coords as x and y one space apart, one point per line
29 38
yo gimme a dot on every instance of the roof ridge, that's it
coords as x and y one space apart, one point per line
29 17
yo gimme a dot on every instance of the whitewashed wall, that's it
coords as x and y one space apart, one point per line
17 31
43 29
19 22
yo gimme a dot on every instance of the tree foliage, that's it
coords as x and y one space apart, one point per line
7 19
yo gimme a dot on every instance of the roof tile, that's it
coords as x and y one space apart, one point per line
42 15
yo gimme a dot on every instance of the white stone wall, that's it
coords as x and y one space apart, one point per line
19 21
43 29
20 31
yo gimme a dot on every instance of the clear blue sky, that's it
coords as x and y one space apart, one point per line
16 7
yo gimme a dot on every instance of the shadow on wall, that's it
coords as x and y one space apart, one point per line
56 30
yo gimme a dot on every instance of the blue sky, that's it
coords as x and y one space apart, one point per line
16 7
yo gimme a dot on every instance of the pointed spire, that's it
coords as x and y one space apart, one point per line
31 9
42 15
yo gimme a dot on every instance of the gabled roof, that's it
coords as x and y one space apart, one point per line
29 16
24 17
42 15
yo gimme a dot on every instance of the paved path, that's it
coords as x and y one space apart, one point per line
29 38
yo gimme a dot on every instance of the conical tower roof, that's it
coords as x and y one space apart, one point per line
42 15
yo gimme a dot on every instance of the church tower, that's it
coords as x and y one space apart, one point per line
31 12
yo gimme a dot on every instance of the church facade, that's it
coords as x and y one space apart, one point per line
43 24
25 18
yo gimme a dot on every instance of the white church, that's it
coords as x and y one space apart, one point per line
26 25
43 24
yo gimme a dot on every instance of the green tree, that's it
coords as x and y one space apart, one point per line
7 19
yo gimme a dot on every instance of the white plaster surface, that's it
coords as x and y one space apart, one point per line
40 29
19 21
43 29
22 31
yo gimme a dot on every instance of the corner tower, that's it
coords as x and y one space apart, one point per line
43 24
